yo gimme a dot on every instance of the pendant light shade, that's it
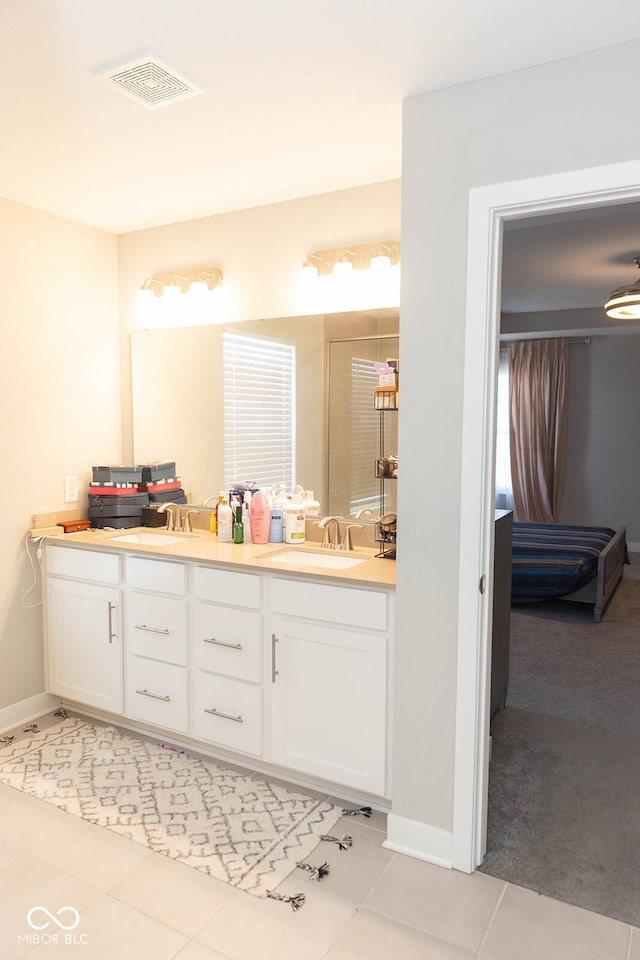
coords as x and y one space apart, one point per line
624 302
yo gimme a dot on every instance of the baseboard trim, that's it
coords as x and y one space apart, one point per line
419 840
633 547
27 710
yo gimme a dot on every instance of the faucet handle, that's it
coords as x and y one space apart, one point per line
348 543
186 523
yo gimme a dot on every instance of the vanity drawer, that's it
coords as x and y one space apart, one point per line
161 576
156 692
319 601
156 627
227 586
83 564
227 641
227 712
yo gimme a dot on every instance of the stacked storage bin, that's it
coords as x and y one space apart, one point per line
160 482
115 497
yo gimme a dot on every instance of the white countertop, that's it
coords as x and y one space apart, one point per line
204 547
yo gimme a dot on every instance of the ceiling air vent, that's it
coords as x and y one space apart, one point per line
149 82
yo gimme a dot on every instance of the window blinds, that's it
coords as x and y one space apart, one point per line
259 410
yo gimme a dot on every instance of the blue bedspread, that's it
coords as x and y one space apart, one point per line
550 560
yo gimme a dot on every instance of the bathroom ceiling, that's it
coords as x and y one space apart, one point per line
299 99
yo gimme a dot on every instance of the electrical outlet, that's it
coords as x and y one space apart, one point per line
71 489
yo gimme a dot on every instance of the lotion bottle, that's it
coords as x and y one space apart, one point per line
311 505
225 522
259 518
246 506
294 525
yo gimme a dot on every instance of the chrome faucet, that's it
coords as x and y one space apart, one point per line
348 543
332 543
173 521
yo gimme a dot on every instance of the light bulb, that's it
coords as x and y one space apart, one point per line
343 268
171 291
380 262
199 288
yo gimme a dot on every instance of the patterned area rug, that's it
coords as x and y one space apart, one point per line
246 832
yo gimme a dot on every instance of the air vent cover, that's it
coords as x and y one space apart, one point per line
149 82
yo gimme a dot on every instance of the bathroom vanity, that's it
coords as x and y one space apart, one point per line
239 651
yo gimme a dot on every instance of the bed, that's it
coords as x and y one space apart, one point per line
559 561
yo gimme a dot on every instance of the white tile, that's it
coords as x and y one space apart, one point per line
178 895
198 951
9 855
91 853
354 872
373 937
528 926
114 930
252 928
634 952
29 884
7 793
27 822
453 906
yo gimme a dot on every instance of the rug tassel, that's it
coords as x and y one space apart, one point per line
364 811
317 873
32 728
296 901
343 842
62 713
7 739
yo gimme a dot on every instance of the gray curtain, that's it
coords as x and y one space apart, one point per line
538 427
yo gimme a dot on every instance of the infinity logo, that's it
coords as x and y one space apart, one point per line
43 926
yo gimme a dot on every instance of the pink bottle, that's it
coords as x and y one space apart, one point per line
259 518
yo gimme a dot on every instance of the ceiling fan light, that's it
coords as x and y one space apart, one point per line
624 302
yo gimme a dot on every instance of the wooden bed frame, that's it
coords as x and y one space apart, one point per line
601 588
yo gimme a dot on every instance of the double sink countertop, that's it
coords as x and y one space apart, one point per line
360 566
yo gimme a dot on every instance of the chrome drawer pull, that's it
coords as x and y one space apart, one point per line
112 607
225 716
156 696
143 626
223 643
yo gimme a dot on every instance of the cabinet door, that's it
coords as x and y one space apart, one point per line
84 643
329 703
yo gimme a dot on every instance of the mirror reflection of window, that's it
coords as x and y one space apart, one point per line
259 402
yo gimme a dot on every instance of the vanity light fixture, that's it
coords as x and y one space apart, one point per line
342 261
624 302
184 281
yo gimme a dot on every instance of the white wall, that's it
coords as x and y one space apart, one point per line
59 401
561 116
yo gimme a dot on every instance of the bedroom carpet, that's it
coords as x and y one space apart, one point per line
247 832
564 778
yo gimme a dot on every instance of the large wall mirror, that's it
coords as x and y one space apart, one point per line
189 382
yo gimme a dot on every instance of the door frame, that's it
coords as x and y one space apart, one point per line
489 208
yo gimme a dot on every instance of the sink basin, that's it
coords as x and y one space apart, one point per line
150 539
308 558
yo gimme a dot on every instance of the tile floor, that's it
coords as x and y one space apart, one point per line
374 905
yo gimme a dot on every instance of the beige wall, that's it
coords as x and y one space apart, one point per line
562 116
259 252
59 401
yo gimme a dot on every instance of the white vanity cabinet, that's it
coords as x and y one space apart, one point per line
291 672
84 627
329 690
156 642
227 631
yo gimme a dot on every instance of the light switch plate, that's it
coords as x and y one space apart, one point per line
71 489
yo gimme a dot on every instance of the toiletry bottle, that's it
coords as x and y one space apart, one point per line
221 498
311 505
225 522
298 490
246 506
238 526
276 525
259 518
294 522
